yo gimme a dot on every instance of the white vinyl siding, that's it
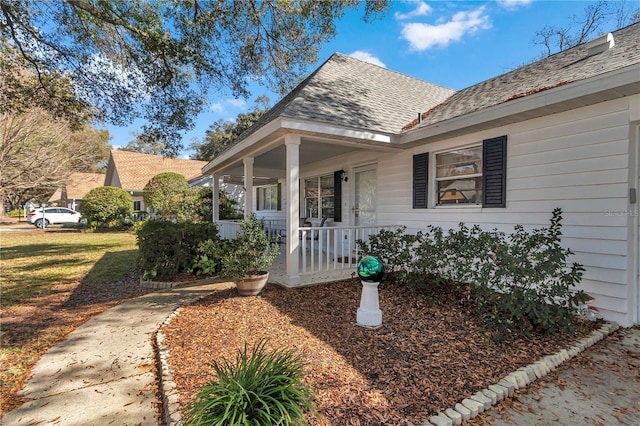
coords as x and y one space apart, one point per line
576 160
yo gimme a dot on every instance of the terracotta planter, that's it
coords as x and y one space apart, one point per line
253 284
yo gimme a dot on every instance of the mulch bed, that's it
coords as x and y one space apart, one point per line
427 356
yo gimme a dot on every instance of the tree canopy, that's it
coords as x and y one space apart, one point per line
223 132
38 153
157 58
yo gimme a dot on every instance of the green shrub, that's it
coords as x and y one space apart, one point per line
249 253
166 249
209 258
517 282
259 388
165 192
106 206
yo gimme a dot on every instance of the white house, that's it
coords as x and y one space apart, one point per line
365 146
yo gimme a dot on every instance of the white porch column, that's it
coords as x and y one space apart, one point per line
248 186
215 201
292 144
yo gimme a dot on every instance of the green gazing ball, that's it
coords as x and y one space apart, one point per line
370 269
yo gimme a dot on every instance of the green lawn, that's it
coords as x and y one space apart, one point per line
32 262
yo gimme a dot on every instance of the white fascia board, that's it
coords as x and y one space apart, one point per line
228 156
567 92
305 126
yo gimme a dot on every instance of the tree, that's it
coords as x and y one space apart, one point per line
145 144
580 29
38 153
222 133
158 58
200 208
165 192
106 205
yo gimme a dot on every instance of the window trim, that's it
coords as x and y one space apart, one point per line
261 196
331 176
436 179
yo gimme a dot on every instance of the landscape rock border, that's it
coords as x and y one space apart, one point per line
162 285
466 409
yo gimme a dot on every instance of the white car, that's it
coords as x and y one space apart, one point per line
53 215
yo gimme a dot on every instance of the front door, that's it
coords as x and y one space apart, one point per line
365 200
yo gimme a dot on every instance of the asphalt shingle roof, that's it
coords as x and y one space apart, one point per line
78 184
135 169
562 68
345 91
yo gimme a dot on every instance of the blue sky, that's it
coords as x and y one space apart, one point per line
451 43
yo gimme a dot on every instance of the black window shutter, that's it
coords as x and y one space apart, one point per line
279 196
420 180
494 172
337 196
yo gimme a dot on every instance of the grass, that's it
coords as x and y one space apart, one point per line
53 281
36 261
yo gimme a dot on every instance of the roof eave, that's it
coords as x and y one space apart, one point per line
263 138
604 87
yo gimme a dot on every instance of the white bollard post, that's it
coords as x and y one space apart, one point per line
369 313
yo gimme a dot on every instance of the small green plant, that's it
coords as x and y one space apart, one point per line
259 388
251 253
208 261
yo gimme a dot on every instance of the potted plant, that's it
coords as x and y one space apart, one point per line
248 257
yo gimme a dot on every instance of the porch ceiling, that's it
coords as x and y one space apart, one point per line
271 164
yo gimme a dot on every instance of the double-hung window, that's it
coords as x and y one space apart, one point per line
268 198
319 197
474 175
459 176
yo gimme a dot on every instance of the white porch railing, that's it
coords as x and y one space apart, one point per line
228 229
322 249
333 248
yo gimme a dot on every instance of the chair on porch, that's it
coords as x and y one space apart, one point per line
313 235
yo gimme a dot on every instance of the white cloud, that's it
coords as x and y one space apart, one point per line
367 57
238 103
425 36
217 107
422 9
220 106
514 4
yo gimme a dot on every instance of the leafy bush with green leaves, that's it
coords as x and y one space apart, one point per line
259 388
106 206
166 249
165 193
251 252
517 282
209 258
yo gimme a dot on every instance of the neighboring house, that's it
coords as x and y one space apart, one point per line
75 188
366 146
131 171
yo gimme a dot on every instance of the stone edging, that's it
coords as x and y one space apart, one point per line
160 285
481 401
466 409
170 408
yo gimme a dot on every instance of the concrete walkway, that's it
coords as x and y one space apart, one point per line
104 372
601 386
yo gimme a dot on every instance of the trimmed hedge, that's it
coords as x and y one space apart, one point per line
166 249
